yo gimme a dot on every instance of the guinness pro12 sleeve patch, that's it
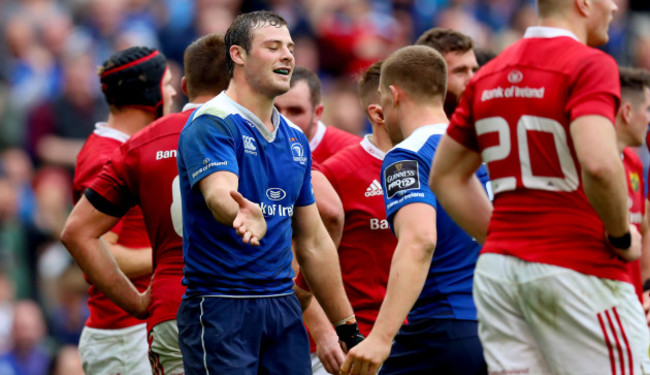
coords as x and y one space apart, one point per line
401 176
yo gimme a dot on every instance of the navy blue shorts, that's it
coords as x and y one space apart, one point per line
436 346
243 336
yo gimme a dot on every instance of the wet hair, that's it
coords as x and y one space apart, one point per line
240 31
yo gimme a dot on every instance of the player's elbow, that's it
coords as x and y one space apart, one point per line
69 235
602 169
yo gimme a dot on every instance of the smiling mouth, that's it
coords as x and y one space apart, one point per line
283 71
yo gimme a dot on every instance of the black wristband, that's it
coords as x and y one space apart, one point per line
349 334
623 242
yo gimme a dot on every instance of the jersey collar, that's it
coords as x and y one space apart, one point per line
372 149
104 131
318 136
250 116
548 32
189 106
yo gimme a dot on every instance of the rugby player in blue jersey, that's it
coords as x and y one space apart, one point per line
432 268
245 184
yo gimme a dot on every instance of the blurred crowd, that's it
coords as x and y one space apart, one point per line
50 100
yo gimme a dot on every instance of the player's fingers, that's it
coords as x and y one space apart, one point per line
254 241
373 369
347 364
356 367
247 237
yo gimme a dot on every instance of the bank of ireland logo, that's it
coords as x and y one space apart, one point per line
515 76
298 152
275 194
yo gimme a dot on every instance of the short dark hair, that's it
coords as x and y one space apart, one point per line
446 40
633 81
368 84
311 79
408 65
483 55
206 71
239 32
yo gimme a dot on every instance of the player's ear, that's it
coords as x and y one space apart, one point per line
184 86
376 114
237 54
583 6
626 112
318 112
395 94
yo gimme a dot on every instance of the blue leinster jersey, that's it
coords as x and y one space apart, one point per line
274 170
447 292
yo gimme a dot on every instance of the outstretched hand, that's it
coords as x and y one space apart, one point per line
249 222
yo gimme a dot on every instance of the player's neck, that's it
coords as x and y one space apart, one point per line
415 116
129 120
572 24
259 104
200 99
380 139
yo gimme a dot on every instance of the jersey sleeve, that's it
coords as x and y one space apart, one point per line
207 146
306 195
595 89
109 192
405 180
461 128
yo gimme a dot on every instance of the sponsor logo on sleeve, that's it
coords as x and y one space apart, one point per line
208 166
401 176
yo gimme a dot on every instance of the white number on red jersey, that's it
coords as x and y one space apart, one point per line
177 207
570 180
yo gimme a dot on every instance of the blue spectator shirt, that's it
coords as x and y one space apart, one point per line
274 170
447 292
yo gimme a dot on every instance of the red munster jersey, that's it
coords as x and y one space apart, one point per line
104 314
516 112
367 244
143 171
636 202
329 140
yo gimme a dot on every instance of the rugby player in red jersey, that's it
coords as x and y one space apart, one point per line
137 87
143 171
551 283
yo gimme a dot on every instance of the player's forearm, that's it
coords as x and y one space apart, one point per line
222 205
319 326
96 261
465 201
408 273
606 190
319 264
133 262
